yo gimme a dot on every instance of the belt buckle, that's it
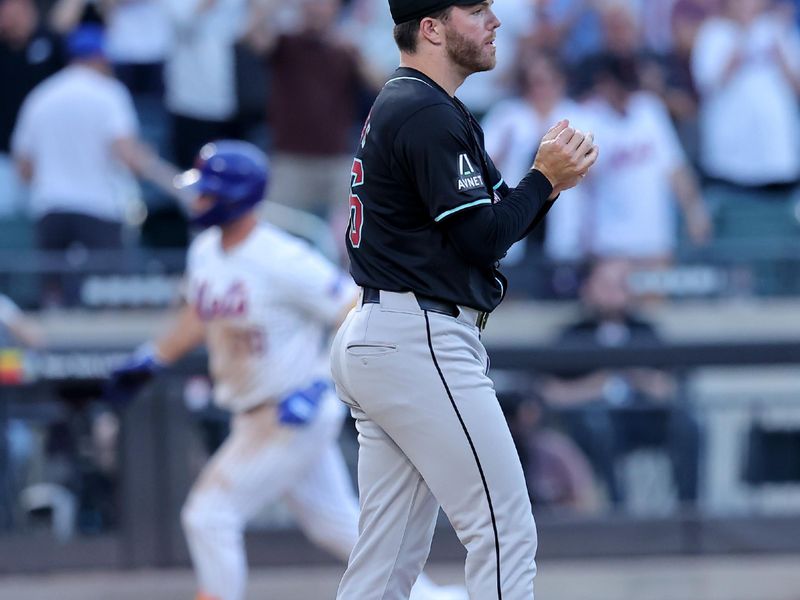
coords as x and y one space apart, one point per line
483 317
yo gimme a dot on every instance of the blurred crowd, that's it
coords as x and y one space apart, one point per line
694 104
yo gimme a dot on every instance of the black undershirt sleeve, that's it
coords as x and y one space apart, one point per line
484 234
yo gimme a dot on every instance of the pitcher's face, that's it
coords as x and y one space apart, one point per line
470 34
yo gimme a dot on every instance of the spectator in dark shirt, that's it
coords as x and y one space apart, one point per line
558 475
318 79
29 53
611 412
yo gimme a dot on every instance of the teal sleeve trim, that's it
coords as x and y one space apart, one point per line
447 213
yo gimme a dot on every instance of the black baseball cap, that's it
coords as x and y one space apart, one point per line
409 10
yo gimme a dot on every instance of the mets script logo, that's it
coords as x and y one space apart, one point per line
468 176
231 303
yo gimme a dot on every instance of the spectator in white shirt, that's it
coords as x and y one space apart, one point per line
138 59
746 65
640 174
513 130
76 143
138 40
200 74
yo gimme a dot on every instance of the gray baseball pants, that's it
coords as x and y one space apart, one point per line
430 433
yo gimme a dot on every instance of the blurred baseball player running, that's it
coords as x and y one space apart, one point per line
263 302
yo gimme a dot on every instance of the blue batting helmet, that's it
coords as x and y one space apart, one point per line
86 41
234 173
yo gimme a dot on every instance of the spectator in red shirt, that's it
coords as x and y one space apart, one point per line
318 80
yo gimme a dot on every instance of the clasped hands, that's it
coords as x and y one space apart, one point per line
565 155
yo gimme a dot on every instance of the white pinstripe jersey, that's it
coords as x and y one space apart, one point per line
268 304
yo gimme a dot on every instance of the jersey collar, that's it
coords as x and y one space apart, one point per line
410 73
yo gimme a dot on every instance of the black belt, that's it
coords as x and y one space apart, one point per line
373 296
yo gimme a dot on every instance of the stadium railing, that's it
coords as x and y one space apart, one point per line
129 501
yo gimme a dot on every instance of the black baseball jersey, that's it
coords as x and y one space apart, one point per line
421 161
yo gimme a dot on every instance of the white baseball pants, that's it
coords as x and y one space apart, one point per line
262 461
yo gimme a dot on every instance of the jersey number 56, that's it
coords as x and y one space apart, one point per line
356 207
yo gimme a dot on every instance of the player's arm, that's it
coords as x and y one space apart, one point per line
185 334
485 234
502 191
564 157
450 181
